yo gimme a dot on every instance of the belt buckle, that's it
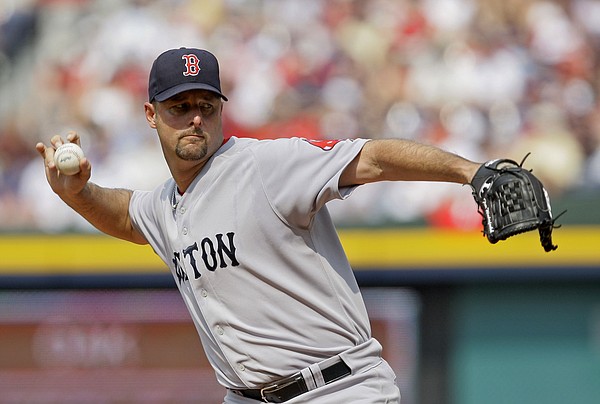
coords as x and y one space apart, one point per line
270 392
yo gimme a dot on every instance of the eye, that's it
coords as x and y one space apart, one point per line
207 109
179 109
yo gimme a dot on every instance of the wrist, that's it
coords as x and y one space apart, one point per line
74 196
469 171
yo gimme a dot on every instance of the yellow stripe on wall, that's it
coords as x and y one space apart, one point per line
381 248
39 254
577 246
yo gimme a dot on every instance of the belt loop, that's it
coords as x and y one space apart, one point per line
317 375
308 379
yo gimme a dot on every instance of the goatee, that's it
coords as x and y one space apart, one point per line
192 151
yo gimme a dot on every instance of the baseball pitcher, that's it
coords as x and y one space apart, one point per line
244 229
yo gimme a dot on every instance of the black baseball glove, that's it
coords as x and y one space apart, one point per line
511 201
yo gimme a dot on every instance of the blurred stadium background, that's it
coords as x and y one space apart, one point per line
462 322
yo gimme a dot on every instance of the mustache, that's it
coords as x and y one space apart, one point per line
193 132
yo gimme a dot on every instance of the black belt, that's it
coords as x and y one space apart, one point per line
293 386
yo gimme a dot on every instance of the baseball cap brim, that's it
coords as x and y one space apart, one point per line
170 92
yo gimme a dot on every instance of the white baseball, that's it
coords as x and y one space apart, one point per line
67 158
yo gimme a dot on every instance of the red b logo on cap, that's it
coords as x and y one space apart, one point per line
192 65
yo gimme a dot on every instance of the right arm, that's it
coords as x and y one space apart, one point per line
106 209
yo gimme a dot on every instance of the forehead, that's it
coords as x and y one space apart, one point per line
203 95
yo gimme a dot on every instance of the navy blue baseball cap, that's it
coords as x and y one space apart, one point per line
183 69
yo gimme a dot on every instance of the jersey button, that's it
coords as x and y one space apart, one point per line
241 367
182 210
220 330
203 293
185 231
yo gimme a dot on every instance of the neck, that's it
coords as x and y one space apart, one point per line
184 178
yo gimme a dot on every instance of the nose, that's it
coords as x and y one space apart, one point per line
197 120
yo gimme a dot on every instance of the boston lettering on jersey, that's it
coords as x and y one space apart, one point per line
210 253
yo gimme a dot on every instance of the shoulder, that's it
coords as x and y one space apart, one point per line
233 144
289 149
161 193
236 144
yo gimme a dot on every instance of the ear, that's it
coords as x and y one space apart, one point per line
150 114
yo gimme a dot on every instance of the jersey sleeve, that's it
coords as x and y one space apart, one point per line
300 176
144 211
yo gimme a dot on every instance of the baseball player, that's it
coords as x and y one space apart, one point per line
243 227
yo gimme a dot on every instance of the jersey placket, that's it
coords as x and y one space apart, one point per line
222 333
200 290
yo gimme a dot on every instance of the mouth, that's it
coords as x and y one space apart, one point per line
193 135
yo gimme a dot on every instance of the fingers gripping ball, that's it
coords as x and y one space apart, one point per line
67 158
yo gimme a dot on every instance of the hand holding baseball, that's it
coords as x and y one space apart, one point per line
67 169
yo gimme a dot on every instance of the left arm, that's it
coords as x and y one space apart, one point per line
405 160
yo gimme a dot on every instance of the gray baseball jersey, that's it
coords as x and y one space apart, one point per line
256 256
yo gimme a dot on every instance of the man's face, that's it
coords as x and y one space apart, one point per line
189 125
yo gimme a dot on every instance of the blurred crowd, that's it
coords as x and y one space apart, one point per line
482 78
